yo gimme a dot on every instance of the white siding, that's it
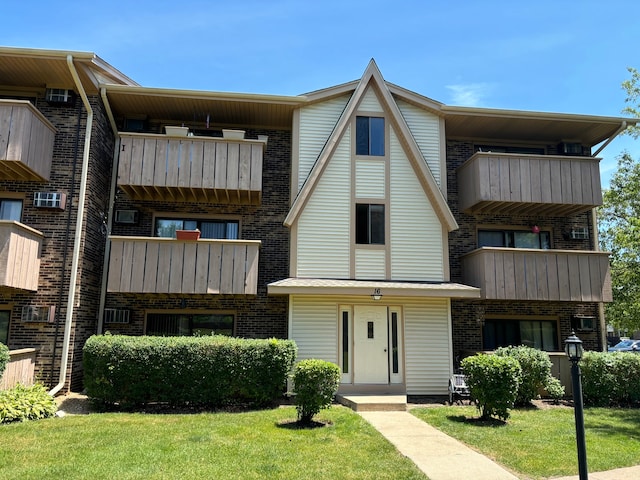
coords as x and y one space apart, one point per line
316 124
425 128
315 327
369 102
370 179
416 232
428 356
370 264
325 223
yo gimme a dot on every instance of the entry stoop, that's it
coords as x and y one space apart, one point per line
373 403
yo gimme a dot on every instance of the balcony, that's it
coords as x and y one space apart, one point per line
20 248
165 265
190 169
501 183
544 275
26 142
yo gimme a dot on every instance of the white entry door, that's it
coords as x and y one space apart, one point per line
370 345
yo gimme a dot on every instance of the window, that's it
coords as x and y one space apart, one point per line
189 324
510 149
370 136
219 229
10 209
5 315
514 239
540 334
369 224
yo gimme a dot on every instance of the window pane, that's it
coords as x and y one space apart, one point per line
345 342
395 362
190 224
490 238
377 224
362 223
11 210
166 227
212 325
167 324
526 239
376 134
213 229
362 135
4 326
232 230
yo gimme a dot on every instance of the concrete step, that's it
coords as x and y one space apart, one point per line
374 403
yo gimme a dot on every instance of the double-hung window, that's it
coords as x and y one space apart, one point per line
370 136
369 224
216 229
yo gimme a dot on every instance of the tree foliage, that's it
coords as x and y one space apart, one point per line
632 87
619 230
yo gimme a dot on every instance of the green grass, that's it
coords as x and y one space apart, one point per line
541 443
249 445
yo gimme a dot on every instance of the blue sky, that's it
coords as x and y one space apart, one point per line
567 56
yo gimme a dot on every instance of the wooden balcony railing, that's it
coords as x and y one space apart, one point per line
548 275
531 184
165 265
20 369
200 169
20 249
26 142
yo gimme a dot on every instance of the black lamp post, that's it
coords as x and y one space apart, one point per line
573 349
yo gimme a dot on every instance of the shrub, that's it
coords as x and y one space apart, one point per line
204 371
22 403
4 358
610 379
554 388
493 382
536 368
315 384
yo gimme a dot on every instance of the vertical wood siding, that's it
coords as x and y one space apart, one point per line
325 224
428 353
416 232
425 128
316 124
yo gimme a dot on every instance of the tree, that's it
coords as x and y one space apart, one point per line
619 230
632 87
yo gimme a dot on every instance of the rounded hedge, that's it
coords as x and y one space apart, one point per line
536 370
315 384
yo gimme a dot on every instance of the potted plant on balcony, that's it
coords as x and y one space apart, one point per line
188 234
233 134
176 131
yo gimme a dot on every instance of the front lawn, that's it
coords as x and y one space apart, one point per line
541 443
250 445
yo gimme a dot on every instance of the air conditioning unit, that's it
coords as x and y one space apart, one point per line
585 323
33 314
129 217
115 315
56 200
59 96
579 233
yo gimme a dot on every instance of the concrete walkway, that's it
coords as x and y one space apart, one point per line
441 457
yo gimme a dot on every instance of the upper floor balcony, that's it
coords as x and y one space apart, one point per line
20 250
166 265
500 183
26 142
190 169
544 275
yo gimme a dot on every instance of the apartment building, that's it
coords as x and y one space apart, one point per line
379 229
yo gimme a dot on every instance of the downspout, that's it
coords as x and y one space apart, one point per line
78 234
112 195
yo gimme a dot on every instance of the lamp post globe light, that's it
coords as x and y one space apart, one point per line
573 349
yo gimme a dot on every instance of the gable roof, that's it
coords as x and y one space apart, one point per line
372 77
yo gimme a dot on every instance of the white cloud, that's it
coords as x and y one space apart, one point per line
470 95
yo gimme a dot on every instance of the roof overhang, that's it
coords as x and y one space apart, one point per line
192 106
323 286
544 127
35 68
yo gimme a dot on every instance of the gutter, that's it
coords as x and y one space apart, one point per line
78 233
112 194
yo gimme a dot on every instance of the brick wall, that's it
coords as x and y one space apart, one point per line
256 316
467 316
